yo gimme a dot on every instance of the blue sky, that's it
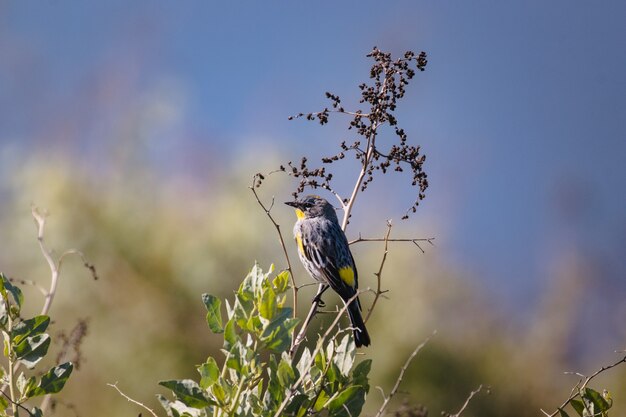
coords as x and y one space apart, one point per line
521 111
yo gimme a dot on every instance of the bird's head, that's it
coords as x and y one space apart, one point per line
312 206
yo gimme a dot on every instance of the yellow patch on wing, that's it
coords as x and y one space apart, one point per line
300 244
347 275
299 214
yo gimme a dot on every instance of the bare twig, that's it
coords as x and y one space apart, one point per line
467 401
55 266
282 243
359 181
133 401
32 283
394 390
40 221
582 384
378 274
55 270
13 403
382 239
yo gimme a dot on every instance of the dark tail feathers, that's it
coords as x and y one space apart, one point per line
361 337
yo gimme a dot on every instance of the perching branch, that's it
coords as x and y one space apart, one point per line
582 384
394 390
301 334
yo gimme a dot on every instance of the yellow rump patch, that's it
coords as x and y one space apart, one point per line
299 214
347 275
300 244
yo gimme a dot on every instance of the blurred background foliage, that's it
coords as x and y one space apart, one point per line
111 126
160 241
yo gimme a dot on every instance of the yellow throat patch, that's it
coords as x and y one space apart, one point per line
299 214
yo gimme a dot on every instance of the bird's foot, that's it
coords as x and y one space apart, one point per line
318 299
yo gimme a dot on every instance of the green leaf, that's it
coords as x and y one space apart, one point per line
166 404
281 282
298 405
209 372
286 374
333 372
32 349
31 327
277 333
275 391
15 292
321 401
600 404
362 370
360 373
35 412
25 385
219 393
214 314
52 381
242 307
21 382
178 409
234 360
348 403
230 335
344 355
267 309
187 391
562 413
578 406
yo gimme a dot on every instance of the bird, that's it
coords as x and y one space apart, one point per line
324 251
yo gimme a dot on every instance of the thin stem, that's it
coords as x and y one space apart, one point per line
282 244
357 186
40 220
382 239
467 401
55 270
394 390
378 274
235 403
133 401
12 367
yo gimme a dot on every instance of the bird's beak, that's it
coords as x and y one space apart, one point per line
293 204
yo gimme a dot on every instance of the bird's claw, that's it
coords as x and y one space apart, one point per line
318 299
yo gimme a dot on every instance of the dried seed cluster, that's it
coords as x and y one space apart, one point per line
389 80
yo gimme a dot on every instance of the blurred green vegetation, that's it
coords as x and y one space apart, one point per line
159 240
